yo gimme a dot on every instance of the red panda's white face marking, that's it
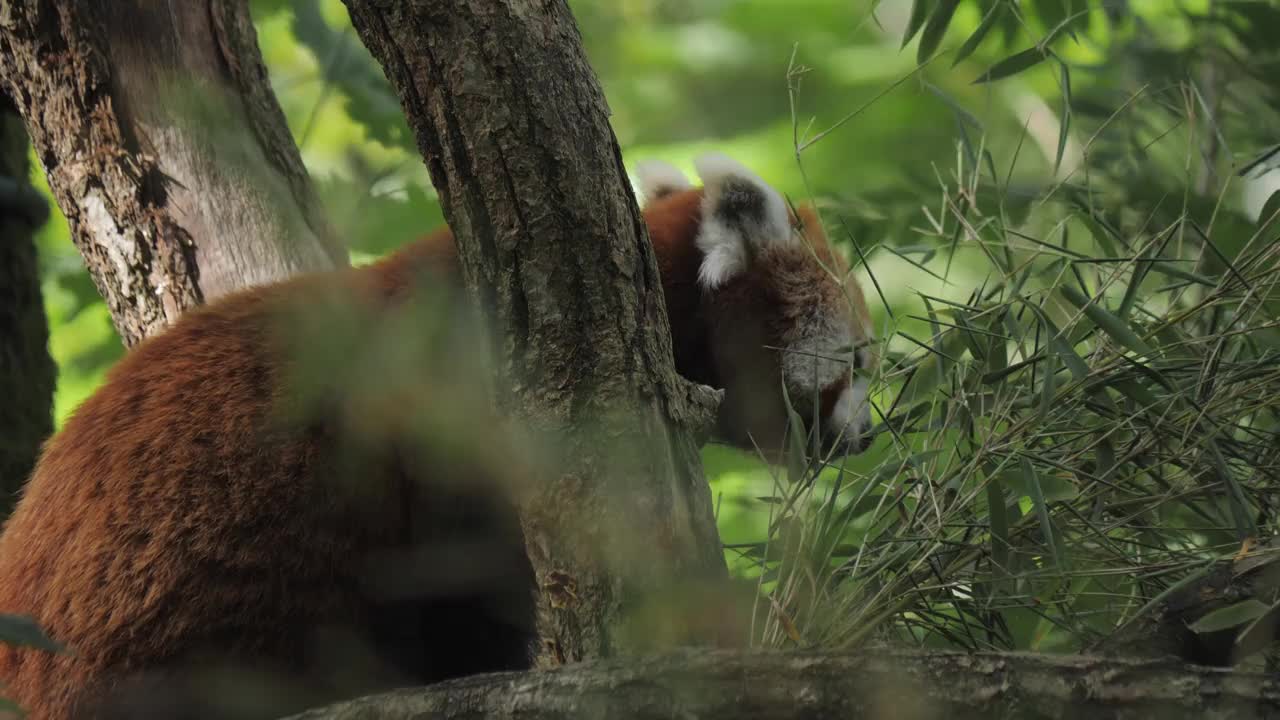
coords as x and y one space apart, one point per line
773 309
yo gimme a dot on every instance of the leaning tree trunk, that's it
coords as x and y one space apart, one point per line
515 131
27 371
165 148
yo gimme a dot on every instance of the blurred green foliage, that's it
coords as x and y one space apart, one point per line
1062 215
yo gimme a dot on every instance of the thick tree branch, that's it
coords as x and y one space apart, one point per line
871 684
165 149
514 128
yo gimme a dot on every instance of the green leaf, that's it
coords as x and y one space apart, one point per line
1050 12
1058 344
1064 25
936 29
1241 512
1113 326
1101 231
1036 493
1065 129
1053 487
1218 253
919 12
963 116
1165 268
988 21
1135 280
1012 65
1106 456
998 516
970 335
22 631
1265 160
1258 635
997 350
797 457
1230 616
937 331
344 65
1048 370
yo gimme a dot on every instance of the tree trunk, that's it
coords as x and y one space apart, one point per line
165 148
514 128
27 371
899 684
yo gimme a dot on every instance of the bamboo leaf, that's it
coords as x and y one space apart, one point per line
970 335
1113 326
1230 616
1219 254
1012 65
1065 129
1236 499
1032 479
1058 344
998 517
935 29
919 13
988 21
1265 160
1185 581
1048 370
1101 233
797 457
1064 25
1258 634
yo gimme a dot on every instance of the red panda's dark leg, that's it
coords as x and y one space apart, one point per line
457 600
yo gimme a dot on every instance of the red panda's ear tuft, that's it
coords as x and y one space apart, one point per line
658 179
741 214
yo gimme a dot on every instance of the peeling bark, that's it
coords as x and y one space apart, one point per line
165 148
898 684
27 372
514 129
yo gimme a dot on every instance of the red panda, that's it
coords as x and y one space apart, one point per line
201 527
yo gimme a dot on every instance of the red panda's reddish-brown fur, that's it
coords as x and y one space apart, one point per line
181 528
176 516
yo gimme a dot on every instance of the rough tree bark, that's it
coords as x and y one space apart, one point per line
898 684
515 131
27 372
165 148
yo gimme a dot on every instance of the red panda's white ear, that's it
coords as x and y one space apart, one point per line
741 214
658 178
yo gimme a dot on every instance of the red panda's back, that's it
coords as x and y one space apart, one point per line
193 513
164 480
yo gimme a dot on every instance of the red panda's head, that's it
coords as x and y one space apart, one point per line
773 306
